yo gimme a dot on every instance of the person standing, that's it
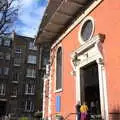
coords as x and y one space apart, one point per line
84 111
93 108
78 110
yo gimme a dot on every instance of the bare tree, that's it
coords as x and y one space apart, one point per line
8 14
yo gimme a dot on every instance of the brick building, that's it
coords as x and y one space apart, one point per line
20 88
84 57
5 68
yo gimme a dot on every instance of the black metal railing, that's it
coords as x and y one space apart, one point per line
67 117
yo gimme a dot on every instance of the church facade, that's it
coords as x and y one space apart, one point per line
84 58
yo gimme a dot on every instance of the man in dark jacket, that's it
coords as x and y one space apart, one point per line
78 110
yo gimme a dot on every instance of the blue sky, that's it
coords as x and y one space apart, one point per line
29 17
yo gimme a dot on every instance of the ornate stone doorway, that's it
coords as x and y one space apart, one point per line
88 54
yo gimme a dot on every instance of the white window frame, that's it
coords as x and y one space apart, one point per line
31 73
31 105
29 89
60 89
32 59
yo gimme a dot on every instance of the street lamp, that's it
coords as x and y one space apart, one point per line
76 60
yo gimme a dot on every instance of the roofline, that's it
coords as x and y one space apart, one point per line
77 21
69 28
38 32
15 34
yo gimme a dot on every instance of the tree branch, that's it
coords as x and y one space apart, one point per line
8 13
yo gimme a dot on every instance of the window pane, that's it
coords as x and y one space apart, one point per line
45 61
87 30
31 73
59 69
6 70
29 106
7 43
17 61
32 59
29 89
16 76
18 50
2 89
32 46
14 91
7 56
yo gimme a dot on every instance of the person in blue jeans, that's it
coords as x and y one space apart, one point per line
78 110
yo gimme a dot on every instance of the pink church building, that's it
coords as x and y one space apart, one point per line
84 58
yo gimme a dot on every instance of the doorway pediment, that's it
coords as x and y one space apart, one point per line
90 50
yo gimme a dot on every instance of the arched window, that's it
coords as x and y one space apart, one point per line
59 69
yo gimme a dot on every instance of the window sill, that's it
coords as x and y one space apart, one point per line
31 63
29 93
59 90
18 52
31 77
16 82
28 111
17 65
13 96
32 49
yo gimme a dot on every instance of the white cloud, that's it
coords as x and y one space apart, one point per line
26 3
30 15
